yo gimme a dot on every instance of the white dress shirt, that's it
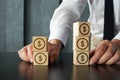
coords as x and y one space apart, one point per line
70 11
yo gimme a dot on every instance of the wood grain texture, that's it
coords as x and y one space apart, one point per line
40 43
40 58
81 29
81 58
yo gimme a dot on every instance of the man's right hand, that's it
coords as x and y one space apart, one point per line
54 47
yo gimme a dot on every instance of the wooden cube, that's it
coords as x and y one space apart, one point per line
81 43
40 43
40 58
81 29
80 58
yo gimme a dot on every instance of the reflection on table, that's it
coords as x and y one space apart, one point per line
104 72
60 72
12 68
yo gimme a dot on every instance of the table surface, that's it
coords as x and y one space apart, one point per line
12 68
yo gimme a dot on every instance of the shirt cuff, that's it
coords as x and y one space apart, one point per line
60 34
117 36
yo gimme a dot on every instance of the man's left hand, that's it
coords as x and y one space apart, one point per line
107 52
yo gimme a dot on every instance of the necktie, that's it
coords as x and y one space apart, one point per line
108 20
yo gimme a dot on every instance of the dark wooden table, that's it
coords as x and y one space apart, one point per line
12 68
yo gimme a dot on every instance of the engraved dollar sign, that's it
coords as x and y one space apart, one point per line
82 43
82 58
39 43
84 28
40 58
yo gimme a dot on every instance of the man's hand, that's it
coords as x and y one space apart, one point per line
107 52
54 47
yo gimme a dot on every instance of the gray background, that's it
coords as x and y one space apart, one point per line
22 19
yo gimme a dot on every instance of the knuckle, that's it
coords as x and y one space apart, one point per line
22 49
118 55
106 41
94 58
28 46
110 44
100 52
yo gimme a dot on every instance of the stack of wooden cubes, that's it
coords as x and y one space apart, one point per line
81 43
40 51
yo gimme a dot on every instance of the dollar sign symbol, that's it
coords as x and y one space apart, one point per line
84 28
39 43
40 58
82 43
82 58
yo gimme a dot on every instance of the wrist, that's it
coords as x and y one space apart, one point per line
56 42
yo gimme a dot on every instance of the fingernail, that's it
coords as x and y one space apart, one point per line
99 62
31 60
91 63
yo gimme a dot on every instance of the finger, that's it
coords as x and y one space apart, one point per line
54 55
100 50
108 54
114 59
23 54
92 52
118 62
51 58
50 48
53 51
30 52
50 51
